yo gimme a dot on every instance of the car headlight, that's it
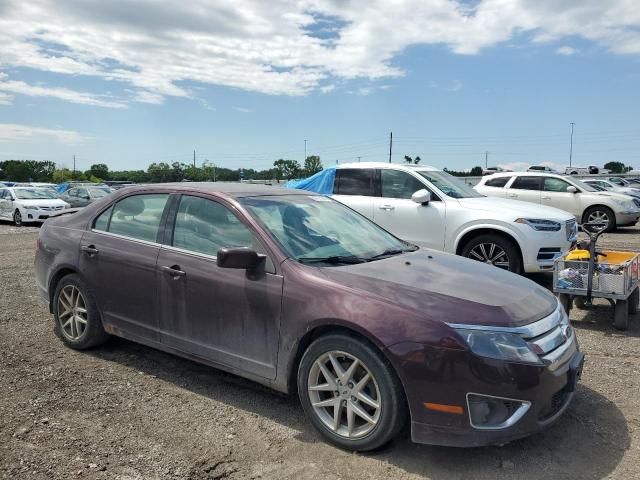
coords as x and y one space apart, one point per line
540 224
498 345
626 204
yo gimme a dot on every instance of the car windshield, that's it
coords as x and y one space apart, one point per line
99 192
316 229
597 187
584 186
449 185
33 193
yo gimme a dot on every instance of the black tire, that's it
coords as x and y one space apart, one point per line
579 301
634 301
566 302
392 411
92 334
472 250
601 211
17 218
621 315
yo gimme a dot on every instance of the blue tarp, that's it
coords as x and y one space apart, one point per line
321 182
62 187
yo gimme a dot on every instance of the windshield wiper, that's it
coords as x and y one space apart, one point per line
335 259
391 252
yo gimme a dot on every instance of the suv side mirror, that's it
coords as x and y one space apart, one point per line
572 189
422 196
239 257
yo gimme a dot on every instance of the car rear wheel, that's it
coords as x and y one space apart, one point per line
77 320
494 250
350 393
17 218
602 215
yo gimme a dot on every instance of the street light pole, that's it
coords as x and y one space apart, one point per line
305 152
571 145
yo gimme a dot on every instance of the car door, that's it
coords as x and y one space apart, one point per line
396 212
71 197
226 316
554 194
354 188
83 198
118 259
526 188
5 202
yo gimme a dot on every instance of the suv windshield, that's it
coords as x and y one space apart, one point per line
449 185
317 229
33 193
98 192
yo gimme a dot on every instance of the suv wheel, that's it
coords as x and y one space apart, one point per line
494 250
17 218
77 321
603 215
350 393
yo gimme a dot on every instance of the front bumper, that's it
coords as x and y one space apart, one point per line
541 249
627 218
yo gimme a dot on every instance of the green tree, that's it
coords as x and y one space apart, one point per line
412 160
287 169
476 172
98 170
615 167
312 165
27 170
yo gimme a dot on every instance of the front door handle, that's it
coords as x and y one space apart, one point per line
386 207
90 250
173 271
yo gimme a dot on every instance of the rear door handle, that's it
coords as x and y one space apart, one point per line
174 271
386 207
90 250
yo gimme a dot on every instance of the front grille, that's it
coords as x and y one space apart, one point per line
549 253
553 334
557 402
52 209
571 227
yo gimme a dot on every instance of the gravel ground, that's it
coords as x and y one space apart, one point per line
129 412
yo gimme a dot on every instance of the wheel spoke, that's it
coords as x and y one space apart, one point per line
80 320
329 402
491 250
336 365
363 397
351 420
326 373
348 375
67 323
500 254
337 415
362 383
324 387
358 410
476 254
484 252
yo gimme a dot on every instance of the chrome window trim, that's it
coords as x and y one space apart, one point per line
524 407
124 237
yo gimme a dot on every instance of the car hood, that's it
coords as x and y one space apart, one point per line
449 288
42 202
515 208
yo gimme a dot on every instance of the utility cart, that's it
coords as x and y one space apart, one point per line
584 274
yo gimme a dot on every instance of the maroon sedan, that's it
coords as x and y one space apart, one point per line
300 293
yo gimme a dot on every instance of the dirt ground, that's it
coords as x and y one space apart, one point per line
125 411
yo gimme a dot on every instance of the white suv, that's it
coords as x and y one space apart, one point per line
566 193
447 214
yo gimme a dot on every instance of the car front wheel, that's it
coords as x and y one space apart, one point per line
17 218
494 250
602 215
77 320
350 393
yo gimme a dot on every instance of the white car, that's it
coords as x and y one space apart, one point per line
566 193
613 187
433 209
28 204
540 168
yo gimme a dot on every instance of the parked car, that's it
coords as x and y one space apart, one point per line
82 196
298 292
613 187
623 182
590 170
490 170
453 217
540 168
28 204
565 192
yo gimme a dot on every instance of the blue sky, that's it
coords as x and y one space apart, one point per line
244 84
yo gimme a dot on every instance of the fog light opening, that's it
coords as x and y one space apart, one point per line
488 412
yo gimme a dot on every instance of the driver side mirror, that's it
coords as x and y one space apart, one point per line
422 196
572 189
239 257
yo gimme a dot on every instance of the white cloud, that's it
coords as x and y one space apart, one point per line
455 86
327 88
279 47
11 132
5 99
566 51
242 109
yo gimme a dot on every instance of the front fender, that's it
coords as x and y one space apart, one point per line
502 227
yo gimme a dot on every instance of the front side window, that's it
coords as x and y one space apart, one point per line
354 181
138 216
527 183
497 182
552 184
204 226
397 184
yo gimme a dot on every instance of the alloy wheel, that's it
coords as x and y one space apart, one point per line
17 218
490 253
72 312
344 394
598 216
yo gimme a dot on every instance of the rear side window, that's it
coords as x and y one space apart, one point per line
397 184
527 183
354 181
137 216
497 182
204 226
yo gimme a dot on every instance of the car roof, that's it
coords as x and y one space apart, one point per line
424 168
526 174
230 189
